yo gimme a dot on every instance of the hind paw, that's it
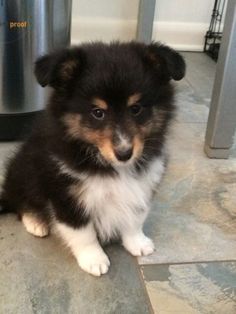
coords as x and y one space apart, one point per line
34 225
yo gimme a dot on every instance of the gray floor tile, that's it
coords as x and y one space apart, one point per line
39 276
200 74
189 108
203 288
193 214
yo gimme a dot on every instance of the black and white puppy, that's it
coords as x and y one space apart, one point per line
94 158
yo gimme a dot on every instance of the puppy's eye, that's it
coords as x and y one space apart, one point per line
136 109
98 113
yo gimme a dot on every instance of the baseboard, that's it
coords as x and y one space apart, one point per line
181 36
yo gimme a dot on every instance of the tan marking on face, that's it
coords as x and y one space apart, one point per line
137 146
133 99
106 149
100 103
101 139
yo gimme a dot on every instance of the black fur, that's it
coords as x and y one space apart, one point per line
111 72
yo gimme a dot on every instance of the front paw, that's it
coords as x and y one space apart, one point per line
138 245
93 260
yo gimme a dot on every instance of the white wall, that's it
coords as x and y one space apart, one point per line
180 23
114 9
193 11
104 20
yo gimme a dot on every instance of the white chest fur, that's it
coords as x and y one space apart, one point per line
120 202
116 203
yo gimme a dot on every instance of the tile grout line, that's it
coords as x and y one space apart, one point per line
187 263
142 281
191 122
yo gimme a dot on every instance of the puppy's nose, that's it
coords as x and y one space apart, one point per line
123 154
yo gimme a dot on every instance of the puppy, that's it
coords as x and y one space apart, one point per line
94 158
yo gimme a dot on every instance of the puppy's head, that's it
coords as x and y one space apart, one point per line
117 98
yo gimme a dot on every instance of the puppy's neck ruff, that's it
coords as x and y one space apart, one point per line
116 203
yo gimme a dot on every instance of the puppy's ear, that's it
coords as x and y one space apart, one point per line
169 62
58 68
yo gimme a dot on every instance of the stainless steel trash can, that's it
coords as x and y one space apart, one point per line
28 29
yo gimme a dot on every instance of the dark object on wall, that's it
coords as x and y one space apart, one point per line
214 34
28 29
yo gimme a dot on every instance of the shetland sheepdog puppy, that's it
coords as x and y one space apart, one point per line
96 154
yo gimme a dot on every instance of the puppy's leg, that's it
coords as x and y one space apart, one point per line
85 247
35 225
135 242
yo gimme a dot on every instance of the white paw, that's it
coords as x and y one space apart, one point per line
93 260
138 245
34 226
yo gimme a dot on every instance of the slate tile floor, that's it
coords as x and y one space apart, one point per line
192 288
192 222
